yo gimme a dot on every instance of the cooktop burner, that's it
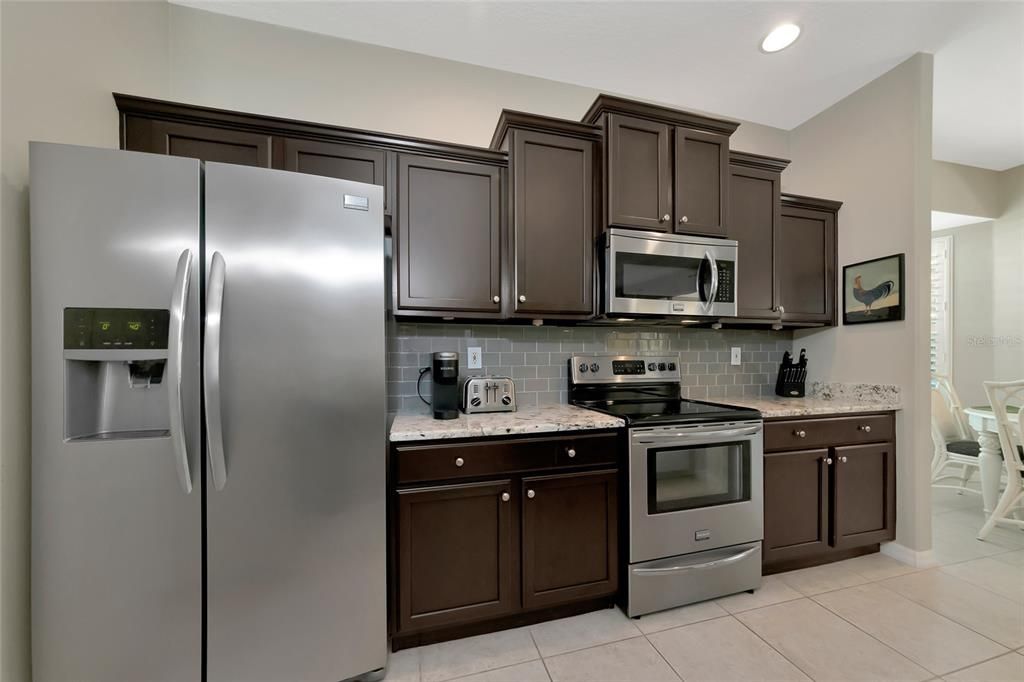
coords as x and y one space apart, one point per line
642 390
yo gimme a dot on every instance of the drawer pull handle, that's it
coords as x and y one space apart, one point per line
505 497
570 452
827 460
843 458
866 428
459 461
800 434
531 494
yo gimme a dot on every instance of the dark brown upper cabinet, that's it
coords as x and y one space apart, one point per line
805 260
447 249
864 502
664 169
457 554
701 186
207 143
335 160
753 219
569 536
639 170
552 189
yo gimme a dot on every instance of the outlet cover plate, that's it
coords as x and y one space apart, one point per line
736 355
475 357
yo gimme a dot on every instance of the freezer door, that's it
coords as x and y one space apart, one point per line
116 530
295 389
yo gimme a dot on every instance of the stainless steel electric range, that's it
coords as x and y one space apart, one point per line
694 483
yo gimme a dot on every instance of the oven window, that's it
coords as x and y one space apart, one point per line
680 478
640 275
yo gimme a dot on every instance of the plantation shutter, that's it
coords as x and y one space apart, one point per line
941 306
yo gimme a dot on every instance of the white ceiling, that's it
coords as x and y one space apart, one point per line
941 220
704 55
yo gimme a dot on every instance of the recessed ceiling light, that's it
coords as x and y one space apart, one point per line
780 38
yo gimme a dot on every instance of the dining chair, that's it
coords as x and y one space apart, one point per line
1011 438
954 442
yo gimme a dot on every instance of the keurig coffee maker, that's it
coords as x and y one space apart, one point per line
445 389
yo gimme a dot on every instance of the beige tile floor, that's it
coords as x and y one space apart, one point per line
869 618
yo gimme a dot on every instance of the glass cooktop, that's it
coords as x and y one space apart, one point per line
677 411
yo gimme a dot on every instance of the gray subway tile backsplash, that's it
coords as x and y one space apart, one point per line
537 357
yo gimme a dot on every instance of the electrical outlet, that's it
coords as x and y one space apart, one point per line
475 358
736 355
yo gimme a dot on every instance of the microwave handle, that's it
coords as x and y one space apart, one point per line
713 264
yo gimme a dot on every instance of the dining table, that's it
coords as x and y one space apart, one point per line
990 458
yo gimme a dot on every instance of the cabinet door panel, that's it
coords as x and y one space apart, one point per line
334 160
570 542
553 224
207 143
639 173
456 555
864 498
795 504
753 217
805 254
449 236
701 182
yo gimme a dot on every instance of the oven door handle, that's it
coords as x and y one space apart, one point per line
706 435
698 567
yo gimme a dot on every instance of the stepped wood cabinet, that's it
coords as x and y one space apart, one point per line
664 169
490 533
829 488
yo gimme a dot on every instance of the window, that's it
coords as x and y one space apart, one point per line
942 306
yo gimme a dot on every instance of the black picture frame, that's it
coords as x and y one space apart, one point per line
860 308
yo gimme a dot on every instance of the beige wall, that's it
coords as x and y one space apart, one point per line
1008 289
966 190
872 150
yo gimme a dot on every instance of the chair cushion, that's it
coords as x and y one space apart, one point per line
964 447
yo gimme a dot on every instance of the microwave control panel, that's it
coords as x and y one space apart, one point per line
726 282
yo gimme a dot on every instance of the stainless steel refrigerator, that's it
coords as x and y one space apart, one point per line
208 422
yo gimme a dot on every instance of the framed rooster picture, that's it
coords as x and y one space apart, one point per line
873 290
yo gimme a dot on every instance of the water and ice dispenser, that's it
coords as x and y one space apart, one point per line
114 364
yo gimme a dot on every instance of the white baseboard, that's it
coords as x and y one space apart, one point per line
912 557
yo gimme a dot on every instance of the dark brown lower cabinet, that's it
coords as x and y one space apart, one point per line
796 518
528 534
864 495
569 537
832 499
455 550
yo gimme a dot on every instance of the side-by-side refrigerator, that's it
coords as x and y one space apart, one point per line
208 421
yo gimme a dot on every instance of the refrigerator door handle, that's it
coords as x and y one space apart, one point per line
175 343
211 371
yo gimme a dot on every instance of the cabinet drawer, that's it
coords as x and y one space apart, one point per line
588 450
469 460
799 434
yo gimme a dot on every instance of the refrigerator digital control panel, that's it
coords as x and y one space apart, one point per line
115 328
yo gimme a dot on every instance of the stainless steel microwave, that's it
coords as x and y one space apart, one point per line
648 273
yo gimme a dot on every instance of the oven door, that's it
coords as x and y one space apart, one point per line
694 488
669 275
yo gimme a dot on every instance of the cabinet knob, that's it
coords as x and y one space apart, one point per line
505 497
684 219
665 218
570 452
866 428
827 460
459 461
531 494
782 310
800 434
496 299
843 458
522 298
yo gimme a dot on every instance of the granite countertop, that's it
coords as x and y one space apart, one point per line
776 406
544 419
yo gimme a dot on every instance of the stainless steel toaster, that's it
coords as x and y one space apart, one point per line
487 394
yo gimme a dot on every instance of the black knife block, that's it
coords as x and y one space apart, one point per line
792 379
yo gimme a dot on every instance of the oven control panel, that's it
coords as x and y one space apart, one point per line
614 369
